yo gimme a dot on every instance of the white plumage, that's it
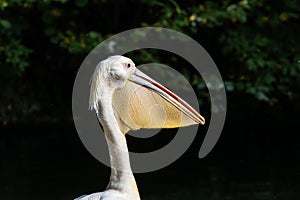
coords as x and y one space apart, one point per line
126 99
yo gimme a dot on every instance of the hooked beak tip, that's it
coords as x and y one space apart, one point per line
202 120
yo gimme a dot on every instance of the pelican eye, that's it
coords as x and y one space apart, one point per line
128 65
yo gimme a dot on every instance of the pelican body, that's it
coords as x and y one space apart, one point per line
126 99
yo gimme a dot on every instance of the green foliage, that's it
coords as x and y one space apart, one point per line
255 43
13 61
258 42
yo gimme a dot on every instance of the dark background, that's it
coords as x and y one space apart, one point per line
255 44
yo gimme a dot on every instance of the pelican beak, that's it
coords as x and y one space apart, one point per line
142 79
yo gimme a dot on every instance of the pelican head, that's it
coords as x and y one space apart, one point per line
113 72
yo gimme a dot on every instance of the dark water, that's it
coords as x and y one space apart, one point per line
49 162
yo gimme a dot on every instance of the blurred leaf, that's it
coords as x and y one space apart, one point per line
81 3
5 24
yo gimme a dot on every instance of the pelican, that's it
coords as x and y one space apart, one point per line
124 99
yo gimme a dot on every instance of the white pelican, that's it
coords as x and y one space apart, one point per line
126 99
